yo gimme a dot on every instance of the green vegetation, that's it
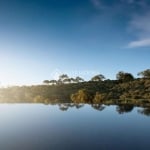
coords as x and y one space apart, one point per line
145 73
125 89
99 77
124 77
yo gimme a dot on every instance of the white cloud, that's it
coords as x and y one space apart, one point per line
140 27
139 43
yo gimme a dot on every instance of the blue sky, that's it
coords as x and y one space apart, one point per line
40 39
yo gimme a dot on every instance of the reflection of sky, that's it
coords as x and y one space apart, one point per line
36 126
37 37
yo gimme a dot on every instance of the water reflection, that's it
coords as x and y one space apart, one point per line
144 111
120 108
98 107
66 106
64 126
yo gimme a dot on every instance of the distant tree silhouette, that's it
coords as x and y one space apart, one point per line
79 79
124 77
99 77
72 80
67 80
63 78
46 82
52 82
145 73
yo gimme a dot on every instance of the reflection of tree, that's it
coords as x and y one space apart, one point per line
66 106
145 111
71 104
79 105
124 108
99 107
63 107
121 108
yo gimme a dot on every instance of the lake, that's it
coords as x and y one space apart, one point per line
73 127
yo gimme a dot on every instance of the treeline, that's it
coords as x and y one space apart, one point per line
138 89
125 88
121 76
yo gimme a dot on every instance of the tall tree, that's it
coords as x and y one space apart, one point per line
124 77
63 78
46 82
67 80
53 82
72 80
79 79
145 73
99 77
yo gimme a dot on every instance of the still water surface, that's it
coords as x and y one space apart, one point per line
55 127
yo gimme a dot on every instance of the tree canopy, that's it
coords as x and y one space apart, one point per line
145 73
98 77
124 77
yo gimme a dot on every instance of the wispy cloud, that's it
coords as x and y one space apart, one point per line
140 27
139 43
141 23
139 14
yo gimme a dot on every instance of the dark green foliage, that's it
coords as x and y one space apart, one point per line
63 78
79 79
53 82
145 73
98 107
46 81
99 77
145 111
124 108
124 77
